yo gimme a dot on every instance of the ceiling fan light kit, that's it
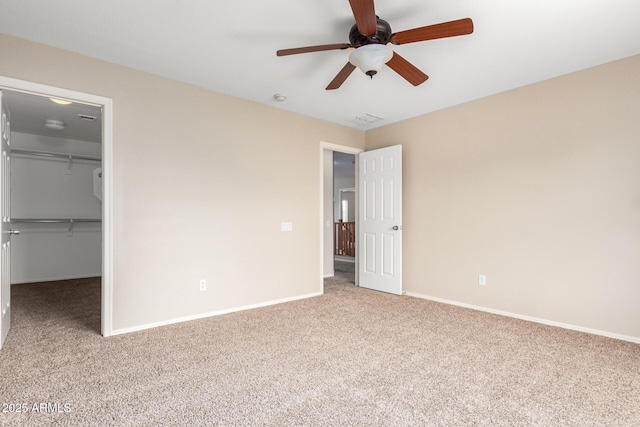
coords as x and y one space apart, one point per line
371 57
370 37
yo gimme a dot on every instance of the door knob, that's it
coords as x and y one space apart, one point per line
396 228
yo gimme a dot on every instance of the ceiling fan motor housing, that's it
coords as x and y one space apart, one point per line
382 35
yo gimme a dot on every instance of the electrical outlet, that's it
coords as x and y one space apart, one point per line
203 284
482 280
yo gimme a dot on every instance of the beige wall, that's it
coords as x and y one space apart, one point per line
201 184
537 188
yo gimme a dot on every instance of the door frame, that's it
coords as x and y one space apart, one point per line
341 149
107 181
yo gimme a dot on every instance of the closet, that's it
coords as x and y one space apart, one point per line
52 206
56 207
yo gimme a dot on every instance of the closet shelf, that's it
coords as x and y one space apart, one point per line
55 220
71 221
54 155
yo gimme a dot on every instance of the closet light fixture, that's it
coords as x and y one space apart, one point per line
54 124
61 101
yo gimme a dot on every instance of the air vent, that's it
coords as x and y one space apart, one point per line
86 117
365 119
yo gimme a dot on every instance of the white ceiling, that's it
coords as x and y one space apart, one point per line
229 46
30 112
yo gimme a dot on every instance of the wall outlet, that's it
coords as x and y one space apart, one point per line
203 284
482 280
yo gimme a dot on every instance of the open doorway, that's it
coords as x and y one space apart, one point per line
55 207
59 197
378 245
344 214
340 210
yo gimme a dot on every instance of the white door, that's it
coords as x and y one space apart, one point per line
380 219
5 225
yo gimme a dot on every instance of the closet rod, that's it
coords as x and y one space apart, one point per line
55 220
57 155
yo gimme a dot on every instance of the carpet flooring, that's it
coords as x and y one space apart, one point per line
351 357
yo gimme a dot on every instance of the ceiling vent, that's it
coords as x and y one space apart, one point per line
86 117
365 119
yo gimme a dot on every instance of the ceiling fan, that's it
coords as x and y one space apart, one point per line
370 36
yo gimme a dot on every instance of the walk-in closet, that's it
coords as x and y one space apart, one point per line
55 194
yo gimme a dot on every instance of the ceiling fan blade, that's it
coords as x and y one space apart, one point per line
342 76
438 31
407 70
365 14
307 49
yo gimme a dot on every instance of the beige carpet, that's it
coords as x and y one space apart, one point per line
350 357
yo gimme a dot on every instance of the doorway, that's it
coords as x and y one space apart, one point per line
344 214
56 188
87 157
378 255
339 201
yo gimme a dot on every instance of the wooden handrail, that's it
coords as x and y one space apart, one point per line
344 239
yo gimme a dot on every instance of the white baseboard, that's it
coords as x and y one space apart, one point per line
328 275
210 314
529 318
344 259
